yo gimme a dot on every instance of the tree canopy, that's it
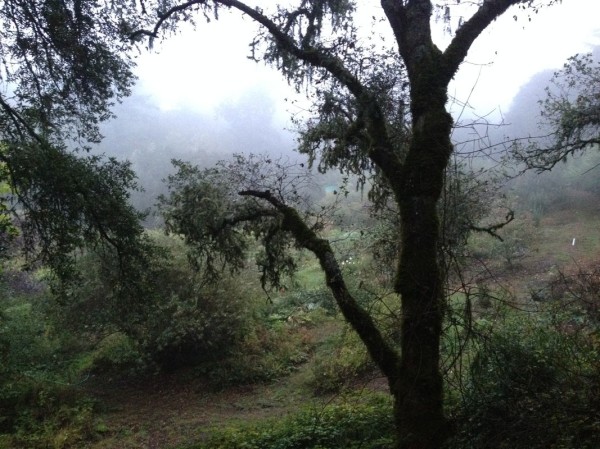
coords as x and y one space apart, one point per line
63 65
570 112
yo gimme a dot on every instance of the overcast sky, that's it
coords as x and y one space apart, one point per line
205 68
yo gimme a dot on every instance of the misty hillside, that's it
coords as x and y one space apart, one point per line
150 137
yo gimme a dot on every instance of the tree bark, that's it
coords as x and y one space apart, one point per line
418 391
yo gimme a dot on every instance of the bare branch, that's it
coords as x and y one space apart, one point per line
471 29
491 230
163 17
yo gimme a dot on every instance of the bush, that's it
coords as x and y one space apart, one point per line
169 317
269 350
117 354
580 292
532 386
195 325
54 416
40 404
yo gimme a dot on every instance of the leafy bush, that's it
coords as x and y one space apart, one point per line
364 425
580 291
117 354
194 325
268 351
532 386
25 350
54 417
171 318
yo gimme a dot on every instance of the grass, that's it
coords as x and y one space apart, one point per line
360 422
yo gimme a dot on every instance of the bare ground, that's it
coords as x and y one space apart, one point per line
173 410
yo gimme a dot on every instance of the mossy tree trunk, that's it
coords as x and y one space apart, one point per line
418 185
418 390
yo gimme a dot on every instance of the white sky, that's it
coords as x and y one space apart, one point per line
207 67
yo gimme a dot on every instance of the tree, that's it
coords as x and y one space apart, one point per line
358 131
63 65
571 113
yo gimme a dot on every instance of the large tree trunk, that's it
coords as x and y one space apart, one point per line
418 391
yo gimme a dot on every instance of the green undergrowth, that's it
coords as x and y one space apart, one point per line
41 372
364 422
533 382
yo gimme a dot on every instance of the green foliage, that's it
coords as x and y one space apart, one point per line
170 316
512 248
305 300
55 417
117 354
580 291
282 337
40 405
196 209
66 65
67 202
275 345
532 385
338 364
207 208
362 424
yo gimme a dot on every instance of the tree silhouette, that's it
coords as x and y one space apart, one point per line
381 115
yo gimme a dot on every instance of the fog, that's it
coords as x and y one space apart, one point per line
252 122
150 137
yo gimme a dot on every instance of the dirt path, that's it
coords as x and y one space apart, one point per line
171 411
179 410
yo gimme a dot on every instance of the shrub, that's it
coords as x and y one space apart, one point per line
532 386
56 416
170 317
269 350
194 324
580 293
117 354
40 404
